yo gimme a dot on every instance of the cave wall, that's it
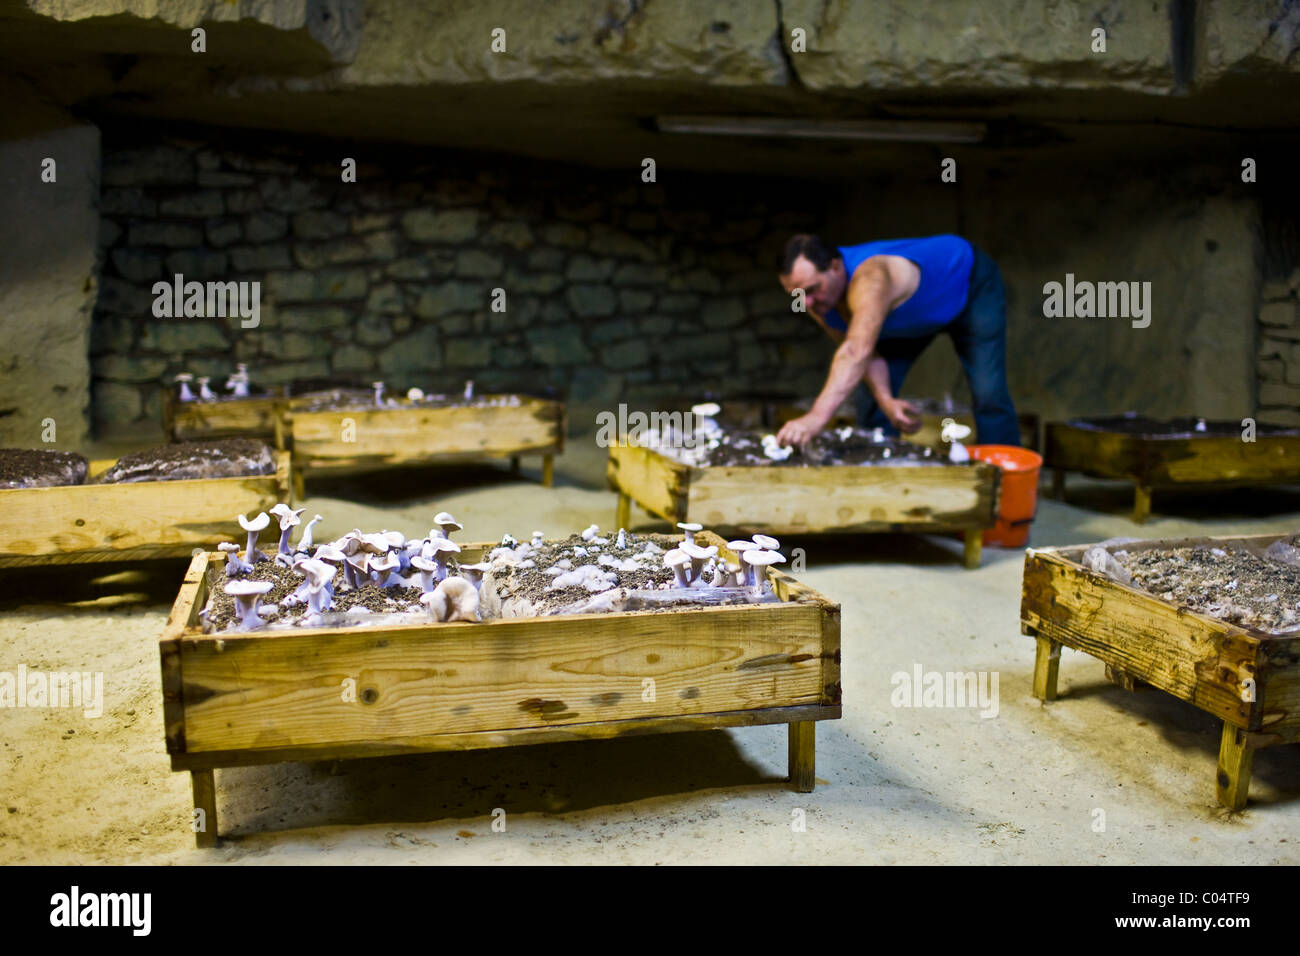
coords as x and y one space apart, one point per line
614 289
47 271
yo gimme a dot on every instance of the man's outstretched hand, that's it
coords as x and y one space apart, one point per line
902 415
799 431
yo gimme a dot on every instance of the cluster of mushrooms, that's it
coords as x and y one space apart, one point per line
418 395
385 559
689 561
236 384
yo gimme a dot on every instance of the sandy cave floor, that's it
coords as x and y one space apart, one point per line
894 785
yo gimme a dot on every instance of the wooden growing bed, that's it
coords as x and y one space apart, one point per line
810 500
1154 461
264 697
1248 678
73 524
347 441
232 418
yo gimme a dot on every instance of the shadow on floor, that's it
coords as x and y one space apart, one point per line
106 584
540 778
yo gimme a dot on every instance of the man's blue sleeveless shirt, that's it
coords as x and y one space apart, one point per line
945 263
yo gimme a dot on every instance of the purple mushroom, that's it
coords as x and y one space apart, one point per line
235 566
247 594
251 554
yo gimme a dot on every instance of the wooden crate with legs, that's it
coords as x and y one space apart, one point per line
1248 678
253 417
1152 462
816 499
72 524
236 699
336 442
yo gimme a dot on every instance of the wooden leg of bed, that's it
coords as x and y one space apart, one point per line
1058 483
1232 782
1141 504
514 464
548 471
624 516
1047 665
803 755
205 806
974 546
299 485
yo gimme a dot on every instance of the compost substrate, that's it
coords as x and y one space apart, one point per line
834 447
1227 582
227 458
1185 427
363 400
40 468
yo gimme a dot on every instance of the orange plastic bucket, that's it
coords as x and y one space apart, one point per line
1019 498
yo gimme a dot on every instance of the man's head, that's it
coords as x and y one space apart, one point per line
808 263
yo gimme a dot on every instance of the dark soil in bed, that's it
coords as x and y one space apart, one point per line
829 448
1174 427
228 458
363 400
1229 582
38 468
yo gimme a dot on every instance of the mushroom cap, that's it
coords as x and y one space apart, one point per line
455 599
706 409
696 552
760 558
444 545
376 384
374 543
480 566
327 552
184 377
281 509
423 564
741 546
414 395
350 543
395 539
319 572
228 547
444 520
766 543
386 563
241 588
257 524
360 560
690 526
290 518
676 558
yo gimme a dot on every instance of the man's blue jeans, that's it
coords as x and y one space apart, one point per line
979 334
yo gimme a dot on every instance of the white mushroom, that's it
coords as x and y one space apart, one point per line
427 568
247 594
446 523
319 575
758 560
678 560
621 541
538 538
251 554
234 566
288 520
455 599
699 557
766 543
184 380
305 542
474 573
205 393
689 528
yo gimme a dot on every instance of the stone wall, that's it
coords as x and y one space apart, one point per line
1279 351
1191 237
47 270
614 289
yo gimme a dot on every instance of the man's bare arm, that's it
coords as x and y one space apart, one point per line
870 296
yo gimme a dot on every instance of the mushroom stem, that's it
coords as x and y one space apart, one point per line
305 542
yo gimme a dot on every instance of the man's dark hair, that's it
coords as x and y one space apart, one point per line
811 248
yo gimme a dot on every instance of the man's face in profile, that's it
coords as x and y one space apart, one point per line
822 289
